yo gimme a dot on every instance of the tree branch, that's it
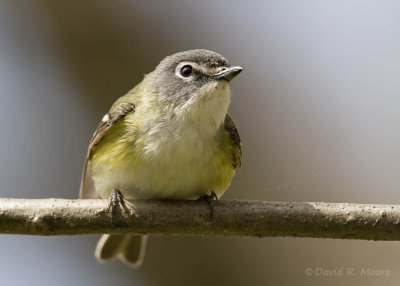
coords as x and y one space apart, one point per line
248 218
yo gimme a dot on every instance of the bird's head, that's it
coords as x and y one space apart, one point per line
193 84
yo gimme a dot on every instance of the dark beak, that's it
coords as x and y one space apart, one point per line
228 73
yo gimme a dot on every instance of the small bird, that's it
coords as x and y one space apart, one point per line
170 137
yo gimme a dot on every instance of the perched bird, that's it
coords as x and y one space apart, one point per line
170 137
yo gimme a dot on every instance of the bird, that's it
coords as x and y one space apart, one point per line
170 137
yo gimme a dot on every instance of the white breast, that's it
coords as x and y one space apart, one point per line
176 159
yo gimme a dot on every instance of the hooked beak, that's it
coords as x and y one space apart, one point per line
228 73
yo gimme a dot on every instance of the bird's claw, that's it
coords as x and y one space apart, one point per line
116 198
209 199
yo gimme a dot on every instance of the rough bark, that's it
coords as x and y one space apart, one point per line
247 218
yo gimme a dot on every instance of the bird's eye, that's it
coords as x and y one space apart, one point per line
186 70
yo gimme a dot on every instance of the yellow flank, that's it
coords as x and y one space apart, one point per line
164 166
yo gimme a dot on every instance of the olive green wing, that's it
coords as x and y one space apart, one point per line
118 111
230 127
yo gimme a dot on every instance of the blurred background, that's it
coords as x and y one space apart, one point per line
317 108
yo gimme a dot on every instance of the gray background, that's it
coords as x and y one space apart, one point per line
317 108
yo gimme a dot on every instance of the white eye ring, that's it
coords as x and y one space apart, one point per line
179 68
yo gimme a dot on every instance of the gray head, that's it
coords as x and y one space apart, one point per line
191 75
192 88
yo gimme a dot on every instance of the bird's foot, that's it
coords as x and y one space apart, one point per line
209 199
116 198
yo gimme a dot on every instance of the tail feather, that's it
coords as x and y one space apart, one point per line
129 249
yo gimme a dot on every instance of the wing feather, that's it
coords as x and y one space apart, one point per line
230 127
118 111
